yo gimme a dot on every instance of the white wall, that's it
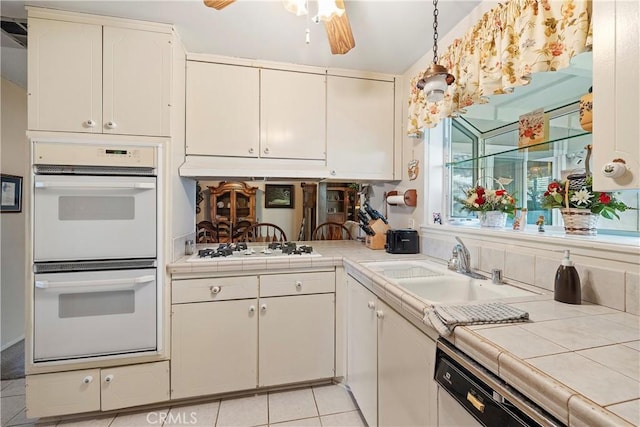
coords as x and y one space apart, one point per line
14 160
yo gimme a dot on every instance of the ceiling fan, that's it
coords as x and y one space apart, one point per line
337 27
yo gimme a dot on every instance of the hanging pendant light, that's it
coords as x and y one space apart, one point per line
436 79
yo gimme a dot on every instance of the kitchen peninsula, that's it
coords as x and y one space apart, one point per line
558 359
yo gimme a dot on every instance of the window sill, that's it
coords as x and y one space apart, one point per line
611 247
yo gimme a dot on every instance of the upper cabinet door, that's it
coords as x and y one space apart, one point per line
360 128
616 93
223 110
293 115
137 82
65 76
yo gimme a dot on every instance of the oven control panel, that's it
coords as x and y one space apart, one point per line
85 154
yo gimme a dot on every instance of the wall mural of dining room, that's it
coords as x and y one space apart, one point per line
224 209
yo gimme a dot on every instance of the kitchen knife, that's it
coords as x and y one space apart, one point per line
374 214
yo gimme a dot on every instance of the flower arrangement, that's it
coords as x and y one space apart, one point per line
560 195
481 199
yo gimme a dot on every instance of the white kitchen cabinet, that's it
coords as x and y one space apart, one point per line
88 390
242 111
360 128
616 92
223 110
238 333
390 363
213 347
292 115
87 77
362 349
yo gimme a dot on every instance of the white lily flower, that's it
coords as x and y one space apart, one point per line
581 197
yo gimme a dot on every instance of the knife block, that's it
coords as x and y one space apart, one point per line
379 240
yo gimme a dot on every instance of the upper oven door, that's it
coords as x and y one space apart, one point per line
94 217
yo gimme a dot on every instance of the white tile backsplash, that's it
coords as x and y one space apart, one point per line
519 266
491 258
632 292
602 286
545 272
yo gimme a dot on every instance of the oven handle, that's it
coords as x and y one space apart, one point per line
135 185
96 284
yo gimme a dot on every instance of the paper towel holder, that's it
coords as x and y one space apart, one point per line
410 197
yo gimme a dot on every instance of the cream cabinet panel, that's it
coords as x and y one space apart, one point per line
406 389
65 76
213 347
223 110
297 284
616 92
362 347
214 289
292 115
137 82
296 339
360 128
134 385
62 393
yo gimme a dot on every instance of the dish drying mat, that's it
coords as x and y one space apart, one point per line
444 318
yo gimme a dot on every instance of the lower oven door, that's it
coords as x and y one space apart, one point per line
78 217
96 313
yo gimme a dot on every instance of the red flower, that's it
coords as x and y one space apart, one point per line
480 201
500 192
480 191
605 198
553 186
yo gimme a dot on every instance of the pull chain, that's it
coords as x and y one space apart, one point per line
435 31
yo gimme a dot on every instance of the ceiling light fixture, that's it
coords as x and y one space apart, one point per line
327 9
436 79
297 7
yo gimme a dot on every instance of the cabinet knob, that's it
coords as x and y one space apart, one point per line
298 284
263 307
90 123
615 168
266 151
371 305
111 125
87 379
108 378
333 172
215 289
379 314
252 309
250 150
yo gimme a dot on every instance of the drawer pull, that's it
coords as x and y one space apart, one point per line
215 289
379 314
87 379
475 402
108 378
298 284
371 305
263 307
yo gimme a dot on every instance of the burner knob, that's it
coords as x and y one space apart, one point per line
215 289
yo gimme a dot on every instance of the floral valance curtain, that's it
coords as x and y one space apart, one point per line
501 51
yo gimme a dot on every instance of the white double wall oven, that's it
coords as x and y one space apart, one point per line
96 227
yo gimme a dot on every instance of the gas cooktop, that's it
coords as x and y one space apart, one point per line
239 251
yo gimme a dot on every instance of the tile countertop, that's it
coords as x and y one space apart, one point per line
579 362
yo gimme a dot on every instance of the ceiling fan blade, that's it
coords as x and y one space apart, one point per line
218 4
339 32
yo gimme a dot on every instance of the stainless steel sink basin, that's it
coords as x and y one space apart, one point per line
434 284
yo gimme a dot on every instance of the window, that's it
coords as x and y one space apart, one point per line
492 156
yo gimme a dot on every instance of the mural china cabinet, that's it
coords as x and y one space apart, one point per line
233 203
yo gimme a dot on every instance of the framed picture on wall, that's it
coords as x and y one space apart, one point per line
278 196
11 193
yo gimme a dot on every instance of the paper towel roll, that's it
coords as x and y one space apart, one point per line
396 200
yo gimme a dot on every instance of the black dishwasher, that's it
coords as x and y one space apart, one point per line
482 394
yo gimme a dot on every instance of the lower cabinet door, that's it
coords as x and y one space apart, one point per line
362 348
406 389
297 339
62 393
134 385
213 348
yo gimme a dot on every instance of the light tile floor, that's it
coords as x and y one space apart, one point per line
321 406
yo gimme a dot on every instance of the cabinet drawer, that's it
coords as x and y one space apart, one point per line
214 289
297 284
134 385
63 393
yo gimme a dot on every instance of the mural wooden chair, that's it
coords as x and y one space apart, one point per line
206 232
263 232
331 231
239 229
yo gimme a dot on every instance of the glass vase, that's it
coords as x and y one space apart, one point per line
492 219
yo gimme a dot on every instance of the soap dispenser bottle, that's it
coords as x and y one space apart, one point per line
567 284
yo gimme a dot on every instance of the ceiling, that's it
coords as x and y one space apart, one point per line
390 35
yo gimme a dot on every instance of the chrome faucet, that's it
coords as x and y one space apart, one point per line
464 257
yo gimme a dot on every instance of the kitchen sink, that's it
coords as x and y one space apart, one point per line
435 284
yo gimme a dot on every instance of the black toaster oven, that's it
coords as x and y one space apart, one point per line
402 241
